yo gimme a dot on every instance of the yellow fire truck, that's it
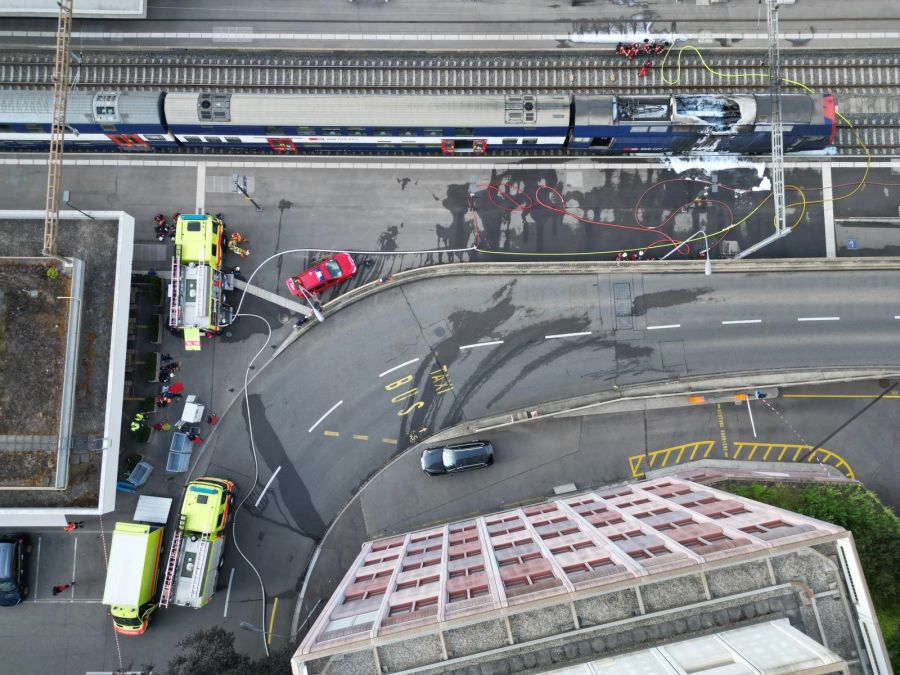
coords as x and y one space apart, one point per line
197 292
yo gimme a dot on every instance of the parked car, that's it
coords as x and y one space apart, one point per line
459 457
13 570
323 274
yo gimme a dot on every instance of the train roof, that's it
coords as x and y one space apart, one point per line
82 107
726 113
379 110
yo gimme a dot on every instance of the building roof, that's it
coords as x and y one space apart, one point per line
769 648
590 576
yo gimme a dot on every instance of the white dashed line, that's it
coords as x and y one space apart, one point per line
565 335
391 370
897 316
668 325
330 410
818 318
732 323
261 494
482 344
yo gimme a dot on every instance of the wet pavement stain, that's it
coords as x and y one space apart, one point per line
302 516
669 298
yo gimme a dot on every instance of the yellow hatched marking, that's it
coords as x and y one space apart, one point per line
820 455
635 462
663 455
360 437
332 433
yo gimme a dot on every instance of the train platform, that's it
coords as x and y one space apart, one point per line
420 205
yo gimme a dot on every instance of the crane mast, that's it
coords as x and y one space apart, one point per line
58 125
777 129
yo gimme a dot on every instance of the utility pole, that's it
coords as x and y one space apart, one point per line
781 228
777 132
58 125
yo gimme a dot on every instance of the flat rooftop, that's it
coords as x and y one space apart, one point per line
33 326
82 9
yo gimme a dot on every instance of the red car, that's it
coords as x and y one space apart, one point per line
325 273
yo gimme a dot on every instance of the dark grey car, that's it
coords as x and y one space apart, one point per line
13 571
458 457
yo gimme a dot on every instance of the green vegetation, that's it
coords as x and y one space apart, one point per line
52 273
211 652
875 528
153 327
150 367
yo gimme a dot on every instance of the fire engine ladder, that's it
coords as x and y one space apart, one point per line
175 300
166 593
200 565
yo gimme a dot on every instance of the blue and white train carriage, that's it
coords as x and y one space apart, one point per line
94 120
712 123
451 124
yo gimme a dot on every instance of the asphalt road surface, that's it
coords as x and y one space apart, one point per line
382 374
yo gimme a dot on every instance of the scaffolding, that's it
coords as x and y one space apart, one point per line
58 125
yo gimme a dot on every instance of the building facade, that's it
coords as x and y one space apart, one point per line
593 576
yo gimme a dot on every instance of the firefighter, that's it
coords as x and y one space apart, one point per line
645 69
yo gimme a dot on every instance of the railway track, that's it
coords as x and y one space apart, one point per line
862 74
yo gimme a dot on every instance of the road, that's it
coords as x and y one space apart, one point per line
384 373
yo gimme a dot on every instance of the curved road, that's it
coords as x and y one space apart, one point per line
416 358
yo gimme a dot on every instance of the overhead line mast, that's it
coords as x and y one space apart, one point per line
58 125
777 131
781 228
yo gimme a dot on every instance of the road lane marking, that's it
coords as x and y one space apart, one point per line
737 321
482 344
566 335
74 560
818 318
360 437
668 325
330 410
261 494
201 188
723 435
897 316
389 441
228 593
272 621
37 569
391 370
332 433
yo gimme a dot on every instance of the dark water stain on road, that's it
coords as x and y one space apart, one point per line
302 515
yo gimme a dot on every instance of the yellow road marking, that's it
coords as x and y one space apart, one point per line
272 621
722 433
332 433
664 454
635 462
389 441
360 437
820 455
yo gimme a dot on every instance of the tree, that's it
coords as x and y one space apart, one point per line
208 651
278 662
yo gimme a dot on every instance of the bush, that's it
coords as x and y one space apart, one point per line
142 435
52 273
153 327
155 290
150 371
875 528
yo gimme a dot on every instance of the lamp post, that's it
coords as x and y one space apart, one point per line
707 270
66 196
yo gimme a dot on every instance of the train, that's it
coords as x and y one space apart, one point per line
474 124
